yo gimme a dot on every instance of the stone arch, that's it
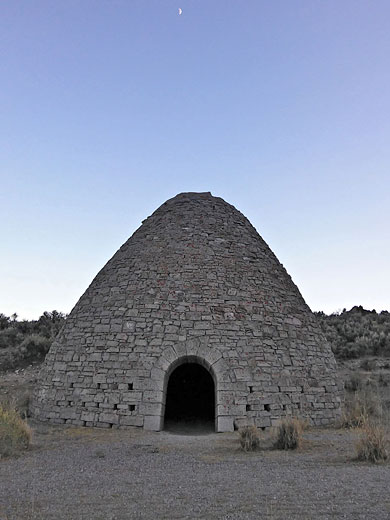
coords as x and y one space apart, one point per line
171 358
191 360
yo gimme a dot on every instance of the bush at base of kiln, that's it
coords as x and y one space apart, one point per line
371 446
249 438
289 434
15 434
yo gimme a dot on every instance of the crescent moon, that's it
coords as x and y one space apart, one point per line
180 10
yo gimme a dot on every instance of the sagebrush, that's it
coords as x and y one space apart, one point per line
23 342
360 408
357 332
15 434
289 434
249 438
371 446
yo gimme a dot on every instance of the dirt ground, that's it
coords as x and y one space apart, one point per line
86 473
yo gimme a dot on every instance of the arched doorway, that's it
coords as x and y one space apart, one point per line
190 399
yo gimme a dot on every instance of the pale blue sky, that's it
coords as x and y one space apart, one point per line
110 107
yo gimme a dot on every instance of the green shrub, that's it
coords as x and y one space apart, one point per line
10 338
15 434
289 434
24 342
34 347
357 333
371 446
249 438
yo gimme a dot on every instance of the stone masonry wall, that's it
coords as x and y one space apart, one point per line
195 283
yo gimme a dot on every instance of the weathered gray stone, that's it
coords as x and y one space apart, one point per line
194 284
153 422
225 424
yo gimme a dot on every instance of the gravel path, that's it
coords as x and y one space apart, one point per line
87 474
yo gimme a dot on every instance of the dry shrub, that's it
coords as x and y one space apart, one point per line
360 408
15 434
354 383
368 364
19 402
371 446
289 434
249 438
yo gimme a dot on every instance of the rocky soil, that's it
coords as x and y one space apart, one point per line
97 474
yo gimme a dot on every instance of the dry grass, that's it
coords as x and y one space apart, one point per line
249 438
289 434
371 446
15 434
362 406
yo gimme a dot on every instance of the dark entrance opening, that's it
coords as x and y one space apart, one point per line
190 402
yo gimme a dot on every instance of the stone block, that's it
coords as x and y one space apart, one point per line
153 422
263 422
150 408
88 416
225 424
99 378
131 420
108 417
151 396
60 366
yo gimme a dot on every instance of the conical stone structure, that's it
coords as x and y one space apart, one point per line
195 285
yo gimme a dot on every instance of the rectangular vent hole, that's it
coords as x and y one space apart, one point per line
130 386
248 407
83 405
71 385
115 407
267 407
251 389
98 385
131 407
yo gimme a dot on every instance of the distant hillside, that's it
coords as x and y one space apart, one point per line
25 342
357 332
